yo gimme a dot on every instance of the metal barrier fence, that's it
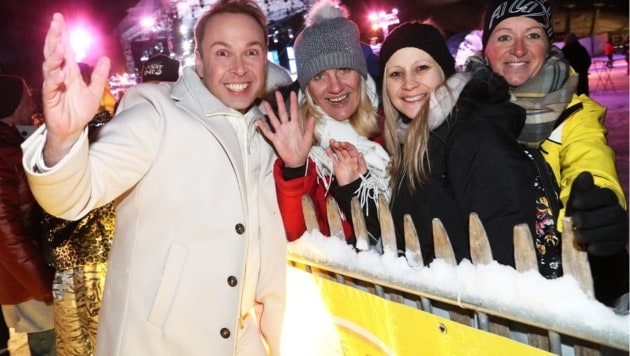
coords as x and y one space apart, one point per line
558 337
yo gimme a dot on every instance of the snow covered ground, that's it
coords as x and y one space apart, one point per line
615 98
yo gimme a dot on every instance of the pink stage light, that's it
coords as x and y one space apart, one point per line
147 22
80 40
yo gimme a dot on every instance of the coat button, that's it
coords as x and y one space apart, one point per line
225 333
232 281
240 229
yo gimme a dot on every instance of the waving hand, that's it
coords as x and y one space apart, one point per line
69 103
348 163
291 141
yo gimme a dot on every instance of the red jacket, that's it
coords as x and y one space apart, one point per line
609 48
23 273
290 194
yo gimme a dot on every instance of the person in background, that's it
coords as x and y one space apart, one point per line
277 76
78 251
567 130
278 79
335 106
25 279
371 60
609 52
579 59
5 335
198 260
160 68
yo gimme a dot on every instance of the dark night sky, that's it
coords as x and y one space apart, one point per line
23 23
456 15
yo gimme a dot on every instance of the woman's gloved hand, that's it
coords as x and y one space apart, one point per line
600 224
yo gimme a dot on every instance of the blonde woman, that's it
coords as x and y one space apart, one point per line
337 106
452 140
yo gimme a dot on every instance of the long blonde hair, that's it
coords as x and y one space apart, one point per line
409 163
363 120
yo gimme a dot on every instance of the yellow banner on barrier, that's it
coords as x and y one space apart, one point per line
328 318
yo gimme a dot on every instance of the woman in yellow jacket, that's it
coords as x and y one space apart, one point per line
567 130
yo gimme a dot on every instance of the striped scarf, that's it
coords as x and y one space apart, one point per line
544 96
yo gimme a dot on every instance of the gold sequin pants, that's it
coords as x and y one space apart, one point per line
78 293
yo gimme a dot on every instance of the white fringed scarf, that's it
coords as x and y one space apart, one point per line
372 184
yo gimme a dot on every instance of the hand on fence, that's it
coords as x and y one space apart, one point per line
600 223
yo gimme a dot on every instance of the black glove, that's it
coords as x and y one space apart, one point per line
599 222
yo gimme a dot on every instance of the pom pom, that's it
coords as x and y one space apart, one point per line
325 10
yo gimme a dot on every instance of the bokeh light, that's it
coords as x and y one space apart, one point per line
81 40
147 22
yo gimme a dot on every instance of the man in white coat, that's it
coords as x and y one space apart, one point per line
198 261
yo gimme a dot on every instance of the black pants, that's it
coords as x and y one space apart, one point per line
610 61
4 333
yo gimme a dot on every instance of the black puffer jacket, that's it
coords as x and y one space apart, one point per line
476 165
23 273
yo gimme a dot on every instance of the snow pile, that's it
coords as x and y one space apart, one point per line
526 295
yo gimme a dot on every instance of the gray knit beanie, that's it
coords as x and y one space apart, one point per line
330 40
160 68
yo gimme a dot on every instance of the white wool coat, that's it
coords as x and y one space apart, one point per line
199 243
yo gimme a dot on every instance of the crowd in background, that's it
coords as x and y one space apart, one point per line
185 191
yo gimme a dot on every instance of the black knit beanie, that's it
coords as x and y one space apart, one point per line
11 90
418 35
539 10
160 68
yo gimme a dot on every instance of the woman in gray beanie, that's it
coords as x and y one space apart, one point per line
566 131
452 140
335 107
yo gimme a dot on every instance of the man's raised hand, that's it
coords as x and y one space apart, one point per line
69 103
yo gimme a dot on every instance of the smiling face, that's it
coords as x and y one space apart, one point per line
411 75
232 58
336 91
517 49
